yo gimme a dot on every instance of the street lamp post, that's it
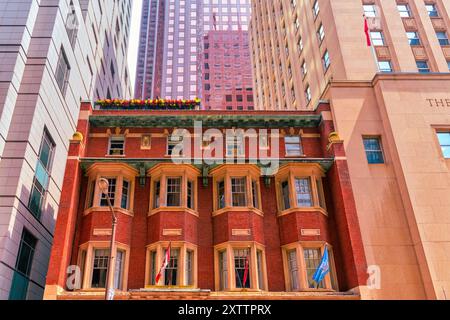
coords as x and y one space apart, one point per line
109 290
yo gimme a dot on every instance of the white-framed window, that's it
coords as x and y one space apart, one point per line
385 66
370 10
413 38
171 273
239 191
221 194
293 269
404 11
116 145
100 268
125 201
172 142
285 197
303 192
112 183
422 66
308 95
293 146
377 38
432 10
442 38
320 33
241 267
173 192
326 60
316 8
312 258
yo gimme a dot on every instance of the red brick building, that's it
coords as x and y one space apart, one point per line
217 217
227 78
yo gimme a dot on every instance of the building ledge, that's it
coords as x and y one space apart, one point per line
206 294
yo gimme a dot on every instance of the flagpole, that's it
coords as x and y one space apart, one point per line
372 47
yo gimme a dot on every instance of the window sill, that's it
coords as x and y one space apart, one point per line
310 209
238 209
172 209
295 156
242 290
324 290
164 288
115 156
106 209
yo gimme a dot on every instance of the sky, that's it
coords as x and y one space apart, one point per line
134 39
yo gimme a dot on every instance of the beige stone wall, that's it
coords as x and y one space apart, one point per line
404 204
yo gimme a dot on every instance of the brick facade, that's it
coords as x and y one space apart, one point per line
207 229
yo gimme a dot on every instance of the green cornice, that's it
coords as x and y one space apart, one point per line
146 164
208 121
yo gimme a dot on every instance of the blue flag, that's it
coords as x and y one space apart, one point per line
323 268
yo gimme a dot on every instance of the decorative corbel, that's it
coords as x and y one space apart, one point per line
333 138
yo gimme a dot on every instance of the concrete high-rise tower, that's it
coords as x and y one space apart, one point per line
52 55
171 41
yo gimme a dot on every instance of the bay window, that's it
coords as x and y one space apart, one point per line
240 266
173 187
237 187
93 258
299 187
120 187
301 261
181 270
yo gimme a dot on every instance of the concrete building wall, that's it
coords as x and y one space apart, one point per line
402 204
32 34
275 45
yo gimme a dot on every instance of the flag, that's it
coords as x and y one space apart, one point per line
245 271
323 268
367 32
164 265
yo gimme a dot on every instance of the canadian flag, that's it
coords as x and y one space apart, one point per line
246 271
164 264
367 32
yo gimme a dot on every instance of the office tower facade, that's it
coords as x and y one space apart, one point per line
235 229
171 39
227 79
390 104
52 56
